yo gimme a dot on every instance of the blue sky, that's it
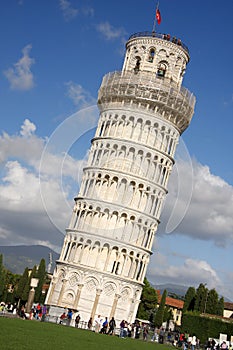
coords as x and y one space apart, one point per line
54 55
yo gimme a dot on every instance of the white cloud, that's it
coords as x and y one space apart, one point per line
209 210
38 180
69 12
20 77
17 180
29 148
109 32
80 97
23 217
19 147
28 128
191 272
185 271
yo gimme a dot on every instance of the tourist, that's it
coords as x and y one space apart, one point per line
137 330
69 317
104 326
89 325
31 314
122 327
125 332
44 313
161 335
145 332
223 346
22 313
129 330
193 342
98 322
112 325
62 318
38 311
155 336
213 343
77 320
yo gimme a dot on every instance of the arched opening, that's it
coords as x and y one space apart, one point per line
161 71
137 65
151 55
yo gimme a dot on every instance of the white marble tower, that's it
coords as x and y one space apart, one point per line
107 247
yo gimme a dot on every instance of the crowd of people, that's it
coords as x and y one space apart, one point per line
173 39
125 330
12 308
187 341
213 345
37 312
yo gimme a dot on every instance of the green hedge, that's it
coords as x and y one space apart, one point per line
205 327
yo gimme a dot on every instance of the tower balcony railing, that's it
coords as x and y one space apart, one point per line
166 37
147 87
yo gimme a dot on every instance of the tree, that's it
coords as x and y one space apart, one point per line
23 282
12 281
201 298
189 300
212 302
167 316
2 278
26 289
148 303
206 301
220 307
160 312
41 275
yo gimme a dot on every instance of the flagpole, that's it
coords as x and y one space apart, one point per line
153 30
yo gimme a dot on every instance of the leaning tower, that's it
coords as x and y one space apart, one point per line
143 110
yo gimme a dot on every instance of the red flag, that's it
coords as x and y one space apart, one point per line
158 16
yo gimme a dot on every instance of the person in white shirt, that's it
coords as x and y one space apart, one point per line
98 322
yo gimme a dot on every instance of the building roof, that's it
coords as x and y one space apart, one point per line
228 306
175 303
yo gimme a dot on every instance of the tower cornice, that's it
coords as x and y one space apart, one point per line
128 246
146 91
119 173
133 143
119 208
150 37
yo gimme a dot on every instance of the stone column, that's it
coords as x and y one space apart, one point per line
51 291
64 282
114 305
80 286
98 292
30 301
133 309
33 285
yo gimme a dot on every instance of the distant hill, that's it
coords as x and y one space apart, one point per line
16 258
171 289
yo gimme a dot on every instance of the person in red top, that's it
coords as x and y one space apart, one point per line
62 317
38 311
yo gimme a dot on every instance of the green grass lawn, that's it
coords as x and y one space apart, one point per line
17 334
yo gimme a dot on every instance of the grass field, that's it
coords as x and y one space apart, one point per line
18 334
